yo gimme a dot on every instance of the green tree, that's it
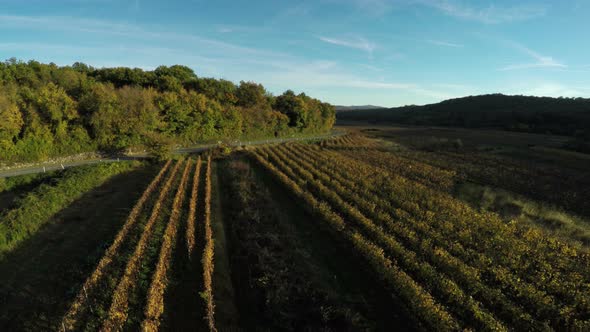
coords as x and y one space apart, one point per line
175 110
55 105
101 106
12 119
159 146
250 94
293 107
169 83
222 91
182 73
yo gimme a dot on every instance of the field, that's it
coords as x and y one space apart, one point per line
380 229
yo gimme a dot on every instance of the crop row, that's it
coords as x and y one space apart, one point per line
349 142
434 256
208 253
566 283
120 301
78 305
527 252
155 300
123 299
190 227
420 302
425 243
415 170
440 285
567 188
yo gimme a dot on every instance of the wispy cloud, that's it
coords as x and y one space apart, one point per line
321 75
224 29
467 10
371 67
550 63
443 43
358 43
129 31
540 61
232 28
492 14
146 57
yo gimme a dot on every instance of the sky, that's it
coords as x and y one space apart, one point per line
346 52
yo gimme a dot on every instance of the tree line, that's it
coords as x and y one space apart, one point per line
562 116
49 110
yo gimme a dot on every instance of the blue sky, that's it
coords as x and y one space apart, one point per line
381 52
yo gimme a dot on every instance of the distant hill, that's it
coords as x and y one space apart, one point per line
357 108
564 116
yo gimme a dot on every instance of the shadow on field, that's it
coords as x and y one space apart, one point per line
41 277
325 261
9 198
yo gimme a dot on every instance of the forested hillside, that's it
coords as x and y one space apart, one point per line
564 116
47 110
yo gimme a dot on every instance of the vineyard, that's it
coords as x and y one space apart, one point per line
452 266
128 287
127 290
344 234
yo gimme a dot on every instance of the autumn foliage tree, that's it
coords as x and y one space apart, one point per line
49 111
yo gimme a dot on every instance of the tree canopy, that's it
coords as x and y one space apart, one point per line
49 110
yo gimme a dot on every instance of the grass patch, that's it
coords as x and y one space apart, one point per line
10 183
510 206
38 206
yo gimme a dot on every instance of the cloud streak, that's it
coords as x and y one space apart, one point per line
358 43
491 14
329 75
540 61
70 24
275 70
444 43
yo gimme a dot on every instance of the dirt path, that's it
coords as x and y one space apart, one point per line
226 312
46 167
183 305
38 279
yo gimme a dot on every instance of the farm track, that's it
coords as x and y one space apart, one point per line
46 167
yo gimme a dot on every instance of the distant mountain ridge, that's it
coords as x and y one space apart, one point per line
357 108
564 116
